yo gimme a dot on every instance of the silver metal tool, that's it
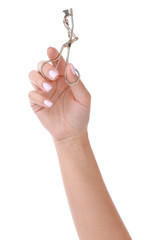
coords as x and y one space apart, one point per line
72 38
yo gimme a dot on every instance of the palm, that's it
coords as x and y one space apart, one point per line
66 114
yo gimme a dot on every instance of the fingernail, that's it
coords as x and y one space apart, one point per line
72 69
48 103
52 74
47 86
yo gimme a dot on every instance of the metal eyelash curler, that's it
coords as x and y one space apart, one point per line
72 38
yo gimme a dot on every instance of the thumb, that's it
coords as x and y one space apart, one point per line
79 91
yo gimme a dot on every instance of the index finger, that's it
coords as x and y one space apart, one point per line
53 54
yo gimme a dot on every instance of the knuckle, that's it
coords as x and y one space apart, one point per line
39 65
31 94
88 96
87 99
31 74
40 62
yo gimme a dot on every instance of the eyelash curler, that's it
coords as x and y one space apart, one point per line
72 38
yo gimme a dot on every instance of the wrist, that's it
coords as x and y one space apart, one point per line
70 140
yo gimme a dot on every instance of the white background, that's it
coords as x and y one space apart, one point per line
111 55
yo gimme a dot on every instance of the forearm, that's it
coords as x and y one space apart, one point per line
93 211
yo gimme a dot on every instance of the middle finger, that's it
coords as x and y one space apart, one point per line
39 81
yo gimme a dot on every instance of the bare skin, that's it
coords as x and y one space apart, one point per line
94 214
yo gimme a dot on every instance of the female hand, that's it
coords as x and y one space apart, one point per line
62 109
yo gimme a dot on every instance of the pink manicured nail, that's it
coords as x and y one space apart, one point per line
72 69
48 103
47 86
52 74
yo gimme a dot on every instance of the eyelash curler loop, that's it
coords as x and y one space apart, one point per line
72 38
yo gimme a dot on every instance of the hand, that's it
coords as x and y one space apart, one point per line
62 109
